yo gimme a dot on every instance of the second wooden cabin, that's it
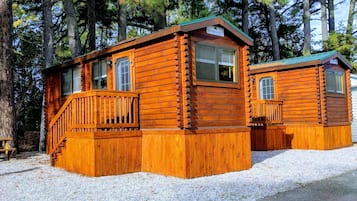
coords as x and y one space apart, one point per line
302 102
174 102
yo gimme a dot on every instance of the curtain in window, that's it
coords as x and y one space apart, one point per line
335 81
77 79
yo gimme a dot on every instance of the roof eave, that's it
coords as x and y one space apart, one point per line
283 67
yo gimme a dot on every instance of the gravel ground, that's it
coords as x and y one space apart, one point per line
30 177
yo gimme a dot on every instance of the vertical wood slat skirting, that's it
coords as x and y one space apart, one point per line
188 154
317 137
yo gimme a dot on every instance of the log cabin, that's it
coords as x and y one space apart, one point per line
301 103
175 102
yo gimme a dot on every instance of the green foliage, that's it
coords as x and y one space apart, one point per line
28 61
345 44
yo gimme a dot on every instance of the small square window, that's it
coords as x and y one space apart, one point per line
215 64
99 74
335 82
71 81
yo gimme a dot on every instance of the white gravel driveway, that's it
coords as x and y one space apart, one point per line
33 178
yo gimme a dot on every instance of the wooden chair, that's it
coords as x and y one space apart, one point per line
6 148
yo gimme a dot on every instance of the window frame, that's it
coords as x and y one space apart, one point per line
70 72
119 84
217 81
338 88
262 88
101 77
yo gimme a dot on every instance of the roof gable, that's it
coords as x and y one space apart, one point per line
302 61
214 20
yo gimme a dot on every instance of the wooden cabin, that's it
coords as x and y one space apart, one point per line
301 103
174 103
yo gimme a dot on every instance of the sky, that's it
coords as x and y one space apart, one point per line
341 15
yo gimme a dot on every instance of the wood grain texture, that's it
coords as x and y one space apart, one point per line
189 154
269 138
101 153
215 103
156 80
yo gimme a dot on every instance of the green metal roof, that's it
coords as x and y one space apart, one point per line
323 56
198 20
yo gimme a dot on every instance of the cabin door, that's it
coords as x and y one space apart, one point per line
123 73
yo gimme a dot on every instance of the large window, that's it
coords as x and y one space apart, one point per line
71 81
123 74
99 74
215 63
266 88
335 82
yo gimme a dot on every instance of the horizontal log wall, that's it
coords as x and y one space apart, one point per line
298 89
155 68
338 105
216 103
101 153
189 154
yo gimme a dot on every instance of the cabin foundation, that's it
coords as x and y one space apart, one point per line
300 136
195 153
101 153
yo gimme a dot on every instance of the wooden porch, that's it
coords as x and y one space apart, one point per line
267 112
94 116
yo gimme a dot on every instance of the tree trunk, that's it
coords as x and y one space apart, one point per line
48 61
331 16
160 19
122 22
324 31
307 29
91 24
273 32
7 118
245 13
351 15
73 33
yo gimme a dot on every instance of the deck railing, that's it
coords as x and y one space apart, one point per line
267 112
94 111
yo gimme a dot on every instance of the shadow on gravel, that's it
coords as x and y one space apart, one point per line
260 156
21 171
24 155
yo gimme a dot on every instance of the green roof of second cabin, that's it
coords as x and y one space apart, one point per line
302 61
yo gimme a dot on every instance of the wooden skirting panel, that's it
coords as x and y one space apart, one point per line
268 138
301 136
101 153
189 154
337 136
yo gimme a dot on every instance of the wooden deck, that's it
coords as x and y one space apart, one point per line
267 112
96 112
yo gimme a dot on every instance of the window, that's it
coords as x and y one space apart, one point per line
335 82
71 81
215 64
266 88
99 74
123 74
